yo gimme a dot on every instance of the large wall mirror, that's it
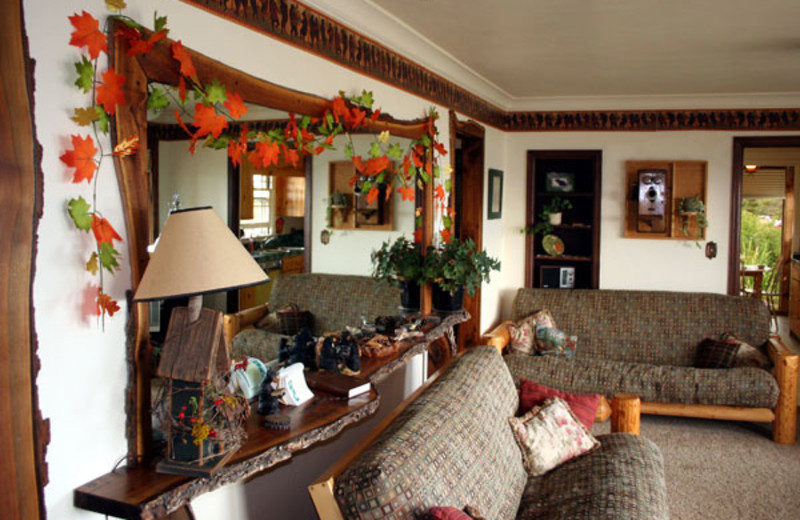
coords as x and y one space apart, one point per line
283 207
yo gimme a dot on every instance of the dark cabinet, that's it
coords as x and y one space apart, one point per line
566 254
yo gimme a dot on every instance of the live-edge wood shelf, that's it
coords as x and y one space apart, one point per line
142 493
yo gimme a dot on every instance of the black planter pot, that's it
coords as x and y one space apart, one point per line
445 301
409 298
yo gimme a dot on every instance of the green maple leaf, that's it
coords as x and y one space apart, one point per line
447 221
435 172
108 257
395 151
348 150
79 212
102 119
85 71
156 99
159 22
375 149
216 143
365 99
305 122
448 185
92 265
216 93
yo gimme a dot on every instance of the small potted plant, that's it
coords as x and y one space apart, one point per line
549 216
400 264
692 206
453 268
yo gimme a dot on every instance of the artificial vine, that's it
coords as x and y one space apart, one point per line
207 119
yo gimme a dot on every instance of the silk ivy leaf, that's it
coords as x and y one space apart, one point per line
79 212
85 116
216 93
116 5
87 34
108 257
395 151
92 266
102 119
157 100
85 71
160 23
81 157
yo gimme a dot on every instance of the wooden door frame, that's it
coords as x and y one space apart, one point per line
470 212
23 433
739 145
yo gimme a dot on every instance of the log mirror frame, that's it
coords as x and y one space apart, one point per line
132 174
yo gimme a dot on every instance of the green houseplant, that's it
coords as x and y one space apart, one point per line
692 206
454 267
549 216
400 264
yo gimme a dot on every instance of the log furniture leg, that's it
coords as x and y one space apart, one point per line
626 413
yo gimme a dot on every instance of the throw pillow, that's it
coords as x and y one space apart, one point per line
447 513
269 322
292 320
748 355
542 318
584 406
552 342
712 353
550 435
521 338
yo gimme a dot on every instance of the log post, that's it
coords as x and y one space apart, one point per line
626 413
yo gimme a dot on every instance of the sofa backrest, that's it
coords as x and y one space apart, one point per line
452 446
657 327
335 300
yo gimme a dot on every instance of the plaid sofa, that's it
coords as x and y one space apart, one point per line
453 446
644 342
334 300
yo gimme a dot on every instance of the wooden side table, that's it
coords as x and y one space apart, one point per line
626 412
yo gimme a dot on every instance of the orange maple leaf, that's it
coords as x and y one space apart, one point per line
235 106
290 156
138 45
339 109
438 192
106 304
439 147
417 233
407 192
357 118
208 121
182 89
127 147
81 157
87 33
180 53
375 115
237 148
264 154
445 234
372 195
388 192
376 165
103 231
358 164
110 93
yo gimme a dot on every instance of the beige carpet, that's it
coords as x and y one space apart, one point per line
725 470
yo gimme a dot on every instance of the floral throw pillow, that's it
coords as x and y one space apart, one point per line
747 355
552 342
542 318
550 435
522 338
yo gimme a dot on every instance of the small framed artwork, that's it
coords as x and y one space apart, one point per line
495 194
559 182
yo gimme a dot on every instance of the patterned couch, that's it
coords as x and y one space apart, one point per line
645 342
334 300
453 446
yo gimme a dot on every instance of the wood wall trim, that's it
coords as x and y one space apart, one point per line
301 26
24 436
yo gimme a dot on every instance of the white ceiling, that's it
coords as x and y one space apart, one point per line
523 51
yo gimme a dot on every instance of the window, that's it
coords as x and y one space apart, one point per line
261 223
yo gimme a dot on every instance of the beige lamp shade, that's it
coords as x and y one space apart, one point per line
197 254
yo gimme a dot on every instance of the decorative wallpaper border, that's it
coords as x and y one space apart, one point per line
304 27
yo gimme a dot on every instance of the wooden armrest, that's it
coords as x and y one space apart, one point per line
785 372
322 489
498 337
235 322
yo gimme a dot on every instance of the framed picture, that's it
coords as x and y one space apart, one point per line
495 194
559 182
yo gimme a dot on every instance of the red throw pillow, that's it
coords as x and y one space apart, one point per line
448 513
584 406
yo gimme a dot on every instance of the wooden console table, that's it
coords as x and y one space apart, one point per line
142 493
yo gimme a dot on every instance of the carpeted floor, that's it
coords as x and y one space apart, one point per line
724 470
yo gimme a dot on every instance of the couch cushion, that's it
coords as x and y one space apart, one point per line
256 343
335 300
450 447
621 480
658 327
653 383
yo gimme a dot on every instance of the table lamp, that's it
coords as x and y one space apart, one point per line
196 254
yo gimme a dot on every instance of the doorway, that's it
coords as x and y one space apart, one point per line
467 143
763 218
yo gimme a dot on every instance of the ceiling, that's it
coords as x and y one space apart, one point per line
531 49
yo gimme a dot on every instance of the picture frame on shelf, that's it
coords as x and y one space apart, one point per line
495 194
559 182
